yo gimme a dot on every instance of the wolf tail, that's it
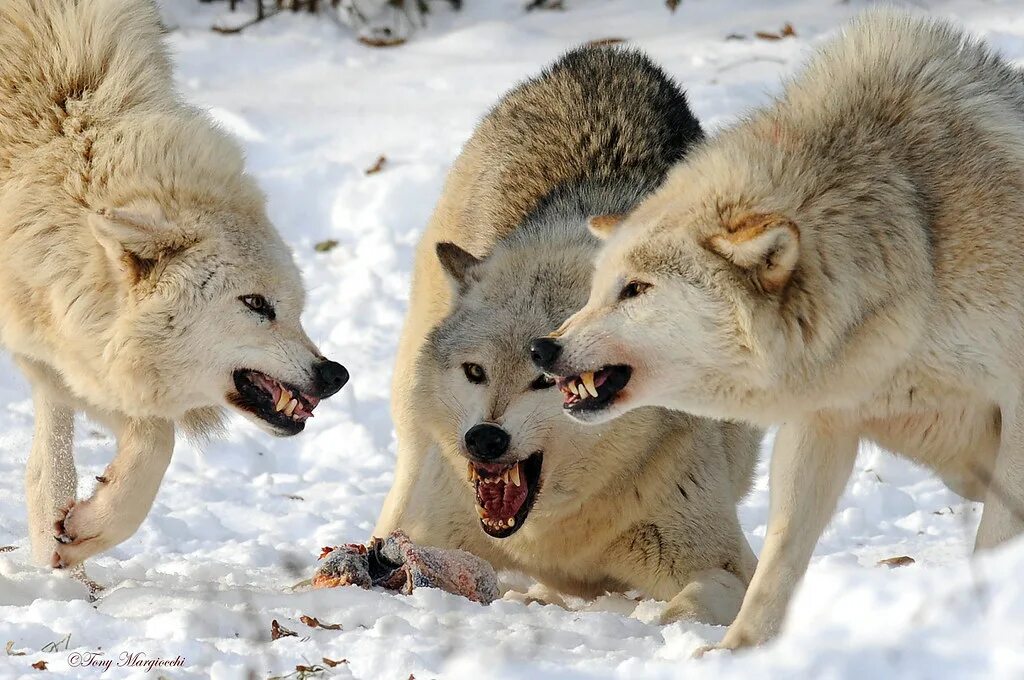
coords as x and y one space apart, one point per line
84 60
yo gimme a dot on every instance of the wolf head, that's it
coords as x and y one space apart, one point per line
496 415
682 308
211 312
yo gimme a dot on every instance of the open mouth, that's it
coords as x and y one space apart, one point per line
593 390
283 406
505 493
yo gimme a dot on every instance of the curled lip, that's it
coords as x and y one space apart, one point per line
593 390
282 405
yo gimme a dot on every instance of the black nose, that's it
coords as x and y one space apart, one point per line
487 442
544 352
329 376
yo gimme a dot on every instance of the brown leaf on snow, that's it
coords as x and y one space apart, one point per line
787 32
672 5
39 665
375 41
277 631
314 623
377 166
893 562
331 663
326 246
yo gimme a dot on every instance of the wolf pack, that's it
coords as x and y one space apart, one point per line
609 306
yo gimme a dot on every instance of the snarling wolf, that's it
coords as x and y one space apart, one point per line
486 461
142 281
848 263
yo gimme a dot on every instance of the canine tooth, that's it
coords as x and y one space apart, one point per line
480 511
282 401
290 408
513 475
588 382
470 472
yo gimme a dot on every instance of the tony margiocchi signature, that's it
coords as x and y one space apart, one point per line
104 663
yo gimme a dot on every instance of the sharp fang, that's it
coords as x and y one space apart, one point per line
283 400
290 408
511 522
588 382
470 472
480 511
513 475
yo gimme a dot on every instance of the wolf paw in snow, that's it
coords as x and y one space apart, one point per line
79 535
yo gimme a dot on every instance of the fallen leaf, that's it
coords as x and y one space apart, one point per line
377 166
381 42
672 5
314 623
39 665
600 42
735 36
765 35
277 631
893 562
326 246
787 31
10 649
331 663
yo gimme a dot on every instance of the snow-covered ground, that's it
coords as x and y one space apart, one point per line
237 523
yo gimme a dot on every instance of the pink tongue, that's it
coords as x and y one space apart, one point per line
501 500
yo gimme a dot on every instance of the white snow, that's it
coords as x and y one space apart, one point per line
240 520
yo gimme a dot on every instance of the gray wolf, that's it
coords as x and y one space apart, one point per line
142 281
848 263
486 461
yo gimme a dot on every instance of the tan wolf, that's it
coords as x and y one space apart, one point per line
142 281
848 263
647 503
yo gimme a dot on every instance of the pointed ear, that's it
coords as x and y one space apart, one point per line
456 262
767 246
603 226
136 237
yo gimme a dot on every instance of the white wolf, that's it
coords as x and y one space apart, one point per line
847 262
142 281
647 503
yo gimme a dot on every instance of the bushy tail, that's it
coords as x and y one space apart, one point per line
92 59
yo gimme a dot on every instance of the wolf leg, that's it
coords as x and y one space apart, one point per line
713 596
124 496
1003 516
811 463
50 480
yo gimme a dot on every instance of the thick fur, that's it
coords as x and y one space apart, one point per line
648 503
847 262
128 231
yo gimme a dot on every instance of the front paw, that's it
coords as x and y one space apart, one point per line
80 533
735 638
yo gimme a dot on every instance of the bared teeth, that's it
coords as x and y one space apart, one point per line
513 475
588 382
290 408
470 472
511 522
283 400
483 513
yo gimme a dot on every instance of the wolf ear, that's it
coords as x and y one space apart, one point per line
603 226
455 261
767 246
135 238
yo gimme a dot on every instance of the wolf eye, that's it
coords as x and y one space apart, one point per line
633 289
474 373
259 305
542 382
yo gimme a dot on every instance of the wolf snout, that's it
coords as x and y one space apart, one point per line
328 378
487 442
545 352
